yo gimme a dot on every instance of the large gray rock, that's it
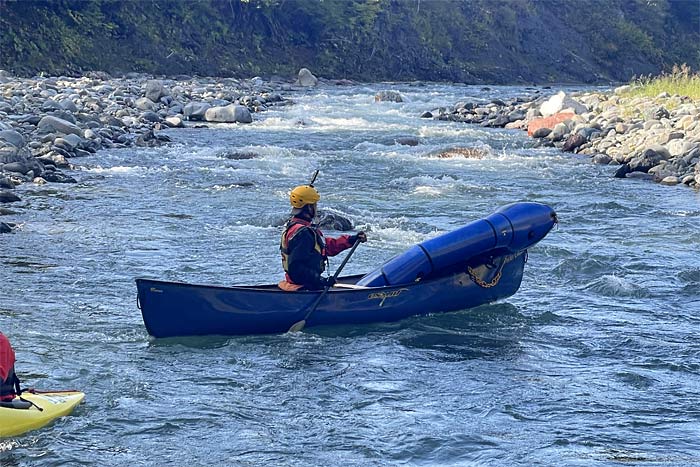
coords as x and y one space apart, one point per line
196 110
8 197
68 105
306 78
651 157
50 124
144 103
154 90
228 114
332 221
13 137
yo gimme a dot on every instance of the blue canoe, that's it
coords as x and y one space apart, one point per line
476 264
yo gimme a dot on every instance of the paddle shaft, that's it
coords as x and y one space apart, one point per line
299 325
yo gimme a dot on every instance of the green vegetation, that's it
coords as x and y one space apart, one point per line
473 41
679 81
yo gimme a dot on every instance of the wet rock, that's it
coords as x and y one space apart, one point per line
8 197
651 157
541 132
240 155
573 142
602 159
408 141
332 221
58 177
466 153
6 183
6 212
388 96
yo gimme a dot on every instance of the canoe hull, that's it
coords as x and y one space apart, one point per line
172 309
15 422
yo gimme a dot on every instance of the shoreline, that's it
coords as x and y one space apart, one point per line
46 122
656 139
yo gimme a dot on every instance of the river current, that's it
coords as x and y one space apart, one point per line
595 361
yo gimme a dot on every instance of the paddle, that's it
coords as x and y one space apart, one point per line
299 325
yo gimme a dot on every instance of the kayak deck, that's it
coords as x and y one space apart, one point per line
16 421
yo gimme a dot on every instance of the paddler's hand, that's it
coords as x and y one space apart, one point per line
327 282
359 237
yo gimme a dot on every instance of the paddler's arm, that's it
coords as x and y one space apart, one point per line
336 245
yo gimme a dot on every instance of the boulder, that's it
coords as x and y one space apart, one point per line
573 141
651 157
541 132
58 177
467 153
8 197
174 122
407 141
230 114
13 137
560 102
548 122
603 159
306 78
154 90
196 110
332 221
388 96
670 180
51 124
144 103
5 182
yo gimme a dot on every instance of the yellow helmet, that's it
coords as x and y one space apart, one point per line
303 195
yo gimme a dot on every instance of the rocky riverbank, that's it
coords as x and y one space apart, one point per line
650 138
46 123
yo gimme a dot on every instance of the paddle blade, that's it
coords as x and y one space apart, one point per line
298 326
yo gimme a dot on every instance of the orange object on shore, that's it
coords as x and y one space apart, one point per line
548 122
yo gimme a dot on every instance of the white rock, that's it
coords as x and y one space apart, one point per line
559 102
306 78
229 114
670 180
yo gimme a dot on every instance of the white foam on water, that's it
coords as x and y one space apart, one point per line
353 123
123 170
453 131
427 190
616 286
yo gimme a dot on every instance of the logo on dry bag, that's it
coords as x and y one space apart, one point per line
384 295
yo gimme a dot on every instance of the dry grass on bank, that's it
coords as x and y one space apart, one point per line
681 81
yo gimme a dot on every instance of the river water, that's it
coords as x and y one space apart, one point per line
594 361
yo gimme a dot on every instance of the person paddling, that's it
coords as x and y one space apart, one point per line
304 249
9 383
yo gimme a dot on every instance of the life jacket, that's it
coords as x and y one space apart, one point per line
9 383
293 227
